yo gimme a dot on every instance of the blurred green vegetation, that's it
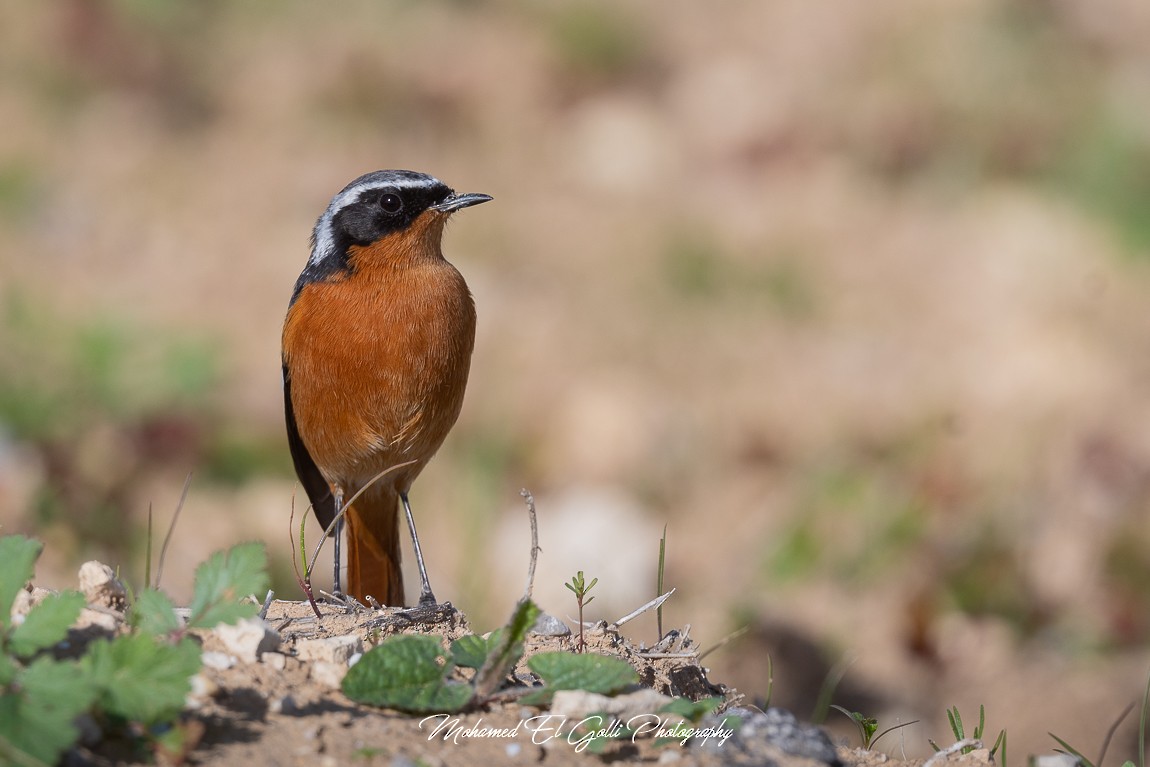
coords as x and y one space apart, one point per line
20 190
235 456
888 517
1018 98
875 514
1107 172
160 50
598 43
105 405
485 458
1127 573
702 272
981 575
58 376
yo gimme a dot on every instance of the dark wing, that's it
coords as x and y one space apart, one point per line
318 491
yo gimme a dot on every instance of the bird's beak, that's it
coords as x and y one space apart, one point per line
456 201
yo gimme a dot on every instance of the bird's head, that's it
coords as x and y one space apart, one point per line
403 206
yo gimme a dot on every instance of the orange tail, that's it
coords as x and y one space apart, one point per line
373 548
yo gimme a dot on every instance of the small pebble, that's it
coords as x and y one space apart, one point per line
218 660
25 600
247 638
1056 760
202 690
100 586
328 674
283 705
549 626
331 649
576 704
775 728
89 617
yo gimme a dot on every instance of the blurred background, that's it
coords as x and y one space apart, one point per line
851 297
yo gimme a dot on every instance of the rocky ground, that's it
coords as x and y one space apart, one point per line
269 693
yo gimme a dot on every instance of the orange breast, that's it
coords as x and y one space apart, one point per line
378 363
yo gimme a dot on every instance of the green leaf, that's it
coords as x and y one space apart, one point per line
223 580
471 651
18 557
955 720
1071 750
584 671
409 673
504 655
8 669
153 613
141 678
47 623
36 724
31 735
58 684
690 709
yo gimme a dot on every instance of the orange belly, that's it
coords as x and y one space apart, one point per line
378 363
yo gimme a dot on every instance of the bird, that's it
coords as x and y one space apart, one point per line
376 352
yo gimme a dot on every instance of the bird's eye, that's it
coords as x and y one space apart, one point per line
390 203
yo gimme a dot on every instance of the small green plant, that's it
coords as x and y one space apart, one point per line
580 589
868 726
414 673
659 584
959 731
589 671
221 582
136 682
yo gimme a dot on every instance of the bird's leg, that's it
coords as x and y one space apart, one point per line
336 586
425 595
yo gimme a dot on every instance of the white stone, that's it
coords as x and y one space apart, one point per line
248 638
330 649
576 704
202 689
328 674
218 660
89 617
101 587
25 600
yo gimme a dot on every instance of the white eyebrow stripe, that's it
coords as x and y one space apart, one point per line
324 240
